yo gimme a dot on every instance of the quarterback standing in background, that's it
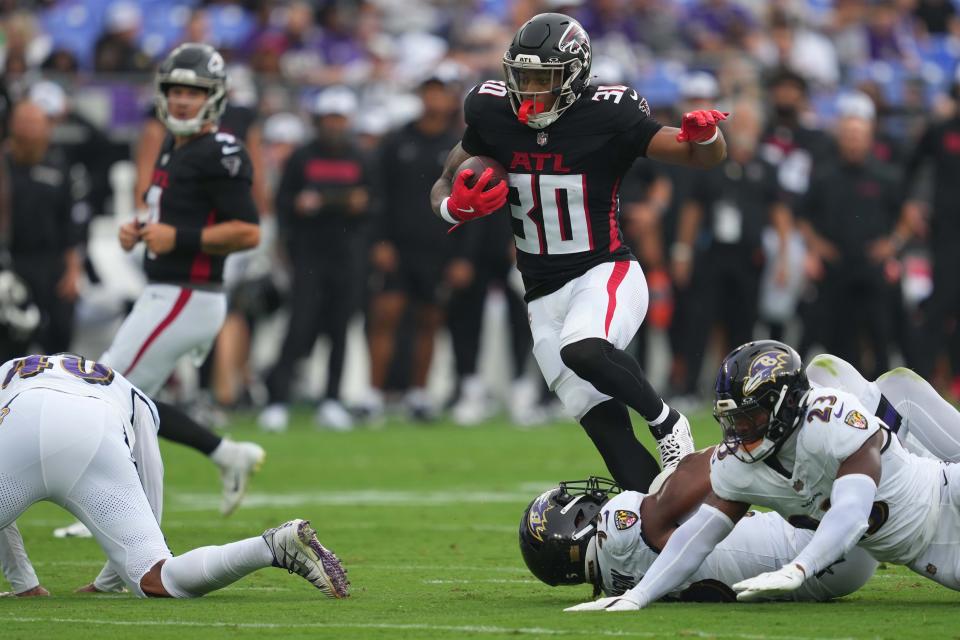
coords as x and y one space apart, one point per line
566 146
200 210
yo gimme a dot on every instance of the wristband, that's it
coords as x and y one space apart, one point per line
713 138
445 212
189 240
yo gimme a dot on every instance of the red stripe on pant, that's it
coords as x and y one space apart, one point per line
166 322
616 277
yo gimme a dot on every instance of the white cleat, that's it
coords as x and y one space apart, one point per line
334 416
295 548
274 418
675 445
74 530
242 460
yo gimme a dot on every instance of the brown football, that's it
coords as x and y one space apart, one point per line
478 164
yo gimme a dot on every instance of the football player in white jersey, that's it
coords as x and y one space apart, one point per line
78 434
586 532
821 459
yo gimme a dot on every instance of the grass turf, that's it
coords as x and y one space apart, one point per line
425 519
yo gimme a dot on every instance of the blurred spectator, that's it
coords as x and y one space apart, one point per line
789 142
937 17
322 203
116 49
939 150
718 251
414 261
714 26
43 238
805 50
88 154
847 216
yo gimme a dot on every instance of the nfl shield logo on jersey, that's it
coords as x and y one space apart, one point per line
541 138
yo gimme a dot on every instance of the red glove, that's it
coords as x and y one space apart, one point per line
468 203
700 126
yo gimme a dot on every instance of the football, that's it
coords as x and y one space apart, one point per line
478 164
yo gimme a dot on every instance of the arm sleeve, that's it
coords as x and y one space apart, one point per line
924 149
688 547
14 561
472 143
842 526
291 182
146 451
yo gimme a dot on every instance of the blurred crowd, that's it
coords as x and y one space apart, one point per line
832 224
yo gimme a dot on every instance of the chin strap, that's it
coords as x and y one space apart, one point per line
523 113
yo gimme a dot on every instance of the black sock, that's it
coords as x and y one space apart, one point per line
177 426
665 427
615 373
631 465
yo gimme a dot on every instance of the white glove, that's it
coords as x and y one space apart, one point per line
771 584
614 603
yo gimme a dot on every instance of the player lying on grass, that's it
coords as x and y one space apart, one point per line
820 458
582 532
76 433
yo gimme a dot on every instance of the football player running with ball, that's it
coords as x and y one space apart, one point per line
566 146
820 458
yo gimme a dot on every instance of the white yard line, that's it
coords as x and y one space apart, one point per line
479 629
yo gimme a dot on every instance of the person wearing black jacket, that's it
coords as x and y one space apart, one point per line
322 203
847 216
413 258
43 237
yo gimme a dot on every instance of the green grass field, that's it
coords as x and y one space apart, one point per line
425 519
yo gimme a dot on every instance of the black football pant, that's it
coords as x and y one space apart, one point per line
322 300
723 290
940 310
465 322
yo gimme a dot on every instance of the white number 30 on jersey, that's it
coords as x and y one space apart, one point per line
565 226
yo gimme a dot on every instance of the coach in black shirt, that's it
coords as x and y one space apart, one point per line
718 254
851 209
43 236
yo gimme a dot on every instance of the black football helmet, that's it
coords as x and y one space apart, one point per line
192 65
557 528
556 49
759 392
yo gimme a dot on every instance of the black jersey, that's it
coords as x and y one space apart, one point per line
202 183
565 179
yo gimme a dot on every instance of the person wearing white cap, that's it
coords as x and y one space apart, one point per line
322 205
848 217
116 49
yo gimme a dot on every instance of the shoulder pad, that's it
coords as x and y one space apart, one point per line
489 94
621 98
226 157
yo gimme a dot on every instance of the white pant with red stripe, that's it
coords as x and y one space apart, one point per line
608 302
166 323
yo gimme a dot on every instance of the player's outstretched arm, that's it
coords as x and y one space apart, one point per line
443 187
851 500
688 547
697 143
